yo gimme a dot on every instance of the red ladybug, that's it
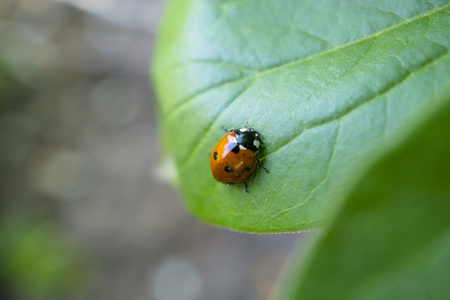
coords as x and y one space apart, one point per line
234 157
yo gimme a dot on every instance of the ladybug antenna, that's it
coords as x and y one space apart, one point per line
250 126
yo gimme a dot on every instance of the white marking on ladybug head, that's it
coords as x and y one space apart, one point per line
242 147
256 143
243 129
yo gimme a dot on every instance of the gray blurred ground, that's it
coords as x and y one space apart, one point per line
82 146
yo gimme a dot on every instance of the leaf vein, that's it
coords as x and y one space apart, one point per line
341 75
203 136
321 181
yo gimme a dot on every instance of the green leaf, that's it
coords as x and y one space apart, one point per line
36 261
330 85
391 239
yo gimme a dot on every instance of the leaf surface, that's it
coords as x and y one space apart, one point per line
330 85
391 239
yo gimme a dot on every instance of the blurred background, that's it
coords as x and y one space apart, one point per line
84 211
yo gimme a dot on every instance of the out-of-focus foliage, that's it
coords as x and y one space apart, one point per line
330 85
35 262
10 89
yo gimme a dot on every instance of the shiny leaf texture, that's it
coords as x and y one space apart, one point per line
330 85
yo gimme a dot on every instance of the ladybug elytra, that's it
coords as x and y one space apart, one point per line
234 157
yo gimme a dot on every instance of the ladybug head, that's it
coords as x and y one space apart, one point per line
249 138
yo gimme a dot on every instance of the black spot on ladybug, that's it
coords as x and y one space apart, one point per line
215 155
247 169
229 169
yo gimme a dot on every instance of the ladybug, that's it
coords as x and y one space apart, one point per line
234 157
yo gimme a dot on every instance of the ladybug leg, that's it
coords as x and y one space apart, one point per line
262 167
229 183
223 127
246 186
